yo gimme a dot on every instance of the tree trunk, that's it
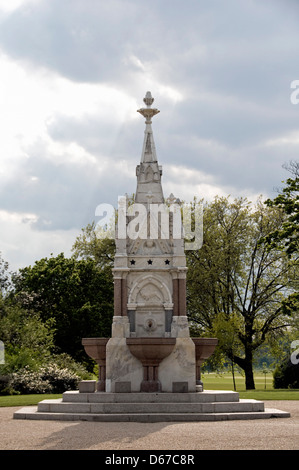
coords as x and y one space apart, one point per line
248 368
248 362
246 365
249 379
233 373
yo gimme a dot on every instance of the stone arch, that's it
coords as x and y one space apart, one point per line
149 174
149 288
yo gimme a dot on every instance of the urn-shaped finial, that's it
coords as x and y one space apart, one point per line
148 112
148 100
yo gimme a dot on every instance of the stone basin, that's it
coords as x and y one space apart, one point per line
204 348
96 349
150 351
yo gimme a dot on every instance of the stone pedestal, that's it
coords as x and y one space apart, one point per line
150 352
204 348
96 348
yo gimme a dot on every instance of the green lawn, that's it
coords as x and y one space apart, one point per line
224 381
25 400
211 381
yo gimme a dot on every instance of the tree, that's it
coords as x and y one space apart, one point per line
89 246
228 340
287 235
238 277
27 339
5 276
75 293
286 375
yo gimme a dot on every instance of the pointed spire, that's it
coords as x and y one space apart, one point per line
148 172
149 150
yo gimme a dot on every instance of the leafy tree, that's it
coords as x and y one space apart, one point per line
287 235
75 293
228 340
89 246
238 277
286 375
27 339
5 276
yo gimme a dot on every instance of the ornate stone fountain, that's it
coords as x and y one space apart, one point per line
150 350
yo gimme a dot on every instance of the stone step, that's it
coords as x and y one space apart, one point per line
33 414
207 396
59 406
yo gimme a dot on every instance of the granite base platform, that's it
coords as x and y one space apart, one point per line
149 407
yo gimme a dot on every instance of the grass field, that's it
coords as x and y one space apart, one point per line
25 400
263 386
211 381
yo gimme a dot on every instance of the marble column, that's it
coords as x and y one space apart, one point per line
124 297
175 284
120 297
117 296
182 297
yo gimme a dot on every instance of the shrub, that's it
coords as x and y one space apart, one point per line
48 379
286 375
5 385
60 379
65 361
26 381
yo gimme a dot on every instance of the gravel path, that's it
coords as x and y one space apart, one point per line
263 434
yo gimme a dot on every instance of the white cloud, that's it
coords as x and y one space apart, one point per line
291 138
186 184
20 244
11 5
31 99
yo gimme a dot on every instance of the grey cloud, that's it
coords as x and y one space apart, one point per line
62 196
242 49
98 137
80 40
233 62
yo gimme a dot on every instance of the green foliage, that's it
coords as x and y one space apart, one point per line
48 379
287 236
226 330
4 276
77 294
27 339
235 283
89 246
286 375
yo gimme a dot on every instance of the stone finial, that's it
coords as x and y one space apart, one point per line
148 100
148 112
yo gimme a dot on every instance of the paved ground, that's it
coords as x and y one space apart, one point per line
264 434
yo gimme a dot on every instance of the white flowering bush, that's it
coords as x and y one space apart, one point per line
48 379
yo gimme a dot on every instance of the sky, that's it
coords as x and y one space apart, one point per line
72 78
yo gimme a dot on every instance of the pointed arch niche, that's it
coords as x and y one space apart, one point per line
150 308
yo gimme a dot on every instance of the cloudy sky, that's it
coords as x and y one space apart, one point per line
74 72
